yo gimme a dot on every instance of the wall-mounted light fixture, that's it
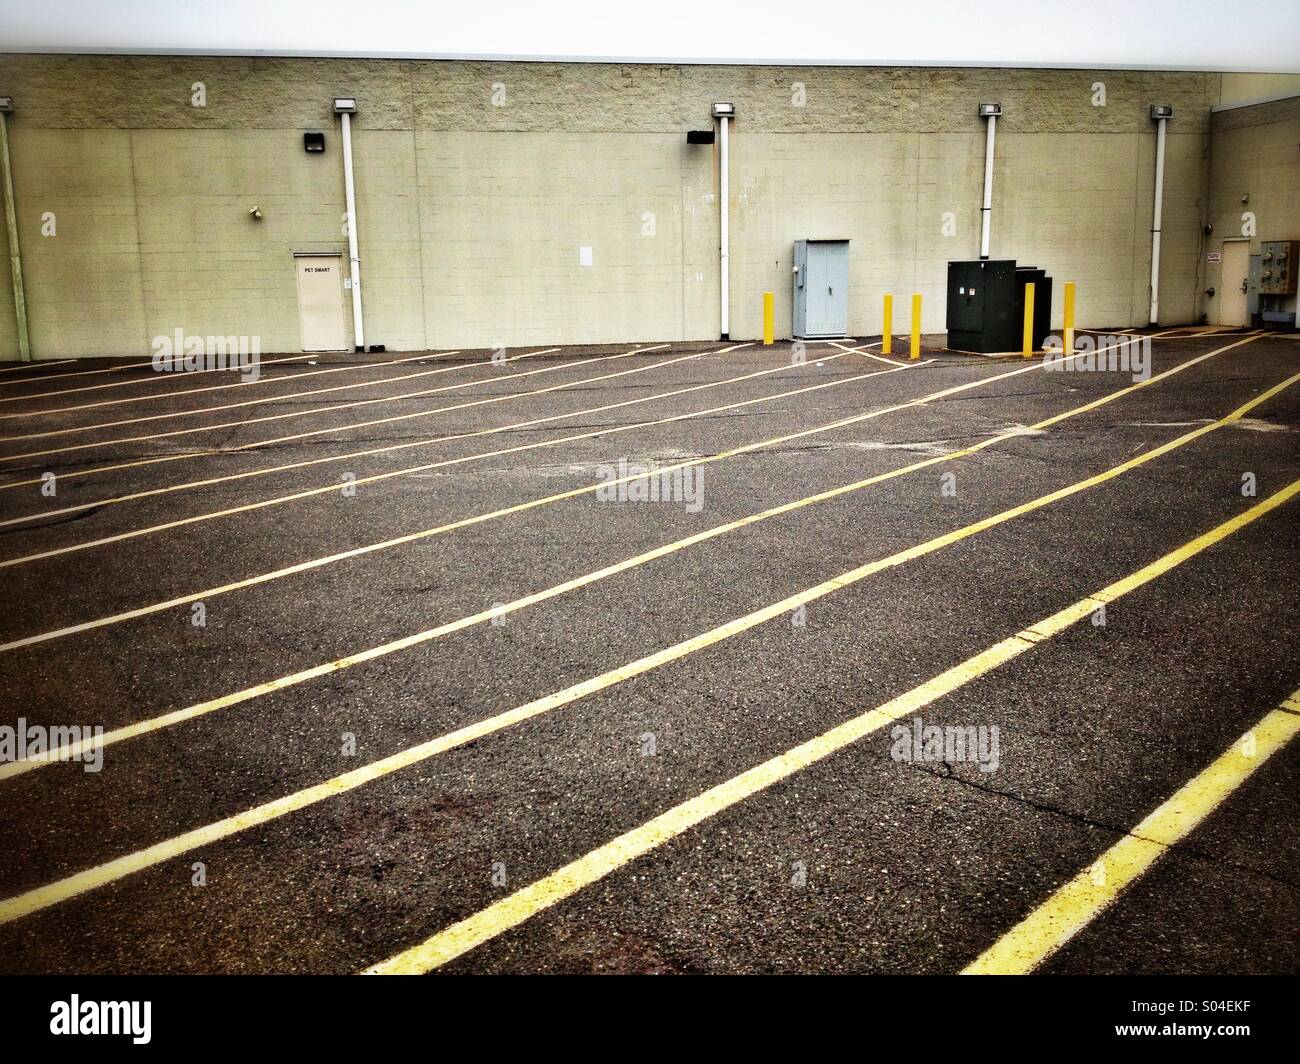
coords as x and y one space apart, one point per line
255 213
345 105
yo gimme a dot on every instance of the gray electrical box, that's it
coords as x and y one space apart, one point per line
821 288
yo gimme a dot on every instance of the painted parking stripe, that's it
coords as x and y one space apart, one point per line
157 377
868 354
95 504
199 411
467 522
523 904
243 422
100 875
42 365
1080 901
328 409
347 368
426 467
326 489
167 720
316 563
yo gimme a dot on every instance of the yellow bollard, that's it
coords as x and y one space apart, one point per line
1029 320
769 318
916 326
1069 317
887 328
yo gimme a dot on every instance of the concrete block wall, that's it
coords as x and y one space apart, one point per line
478 182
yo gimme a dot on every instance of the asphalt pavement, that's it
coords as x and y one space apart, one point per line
426 681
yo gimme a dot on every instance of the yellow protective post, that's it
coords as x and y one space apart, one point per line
916 326
887 328
1029 321
769 318
1069 317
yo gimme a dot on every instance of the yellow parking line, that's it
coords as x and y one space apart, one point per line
1075 905
158 377
348 368
330 409
523 904
466 522
292 395
230 424
865 353
425 467
316 563
327 488
342 406
45 376
95 504
100 875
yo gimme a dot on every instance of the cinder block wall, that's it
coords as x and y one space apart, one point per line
477 183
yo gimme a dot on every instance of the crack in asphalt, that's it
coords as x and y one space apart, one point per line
1182 846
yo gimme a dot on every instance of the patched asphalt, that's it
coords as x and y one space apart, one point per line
860 863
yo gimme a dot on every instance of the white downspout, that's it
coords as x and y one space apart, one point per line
724 265
1161 122
11 227
991 112
358 329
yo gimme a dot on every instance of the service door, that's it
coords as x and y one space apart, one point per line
1233 282
828 286
320 302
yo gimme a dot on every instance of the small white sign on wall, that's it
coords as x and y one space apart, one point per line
1214 256
584 256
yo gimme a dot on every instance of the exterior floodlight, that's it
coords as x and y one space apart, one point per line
990 110
347 106
724 110
1161 110
6 103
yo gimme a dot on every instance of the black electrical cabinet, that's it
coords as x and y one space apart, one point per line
982 306
986 305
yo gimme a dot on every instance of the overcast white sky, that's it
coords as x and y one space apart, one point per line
1188 34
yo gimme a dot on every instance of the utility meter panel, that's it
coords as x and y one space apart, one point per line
1277 261
821 289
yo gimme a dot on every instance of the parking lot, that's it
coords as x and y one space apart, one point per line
622 659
